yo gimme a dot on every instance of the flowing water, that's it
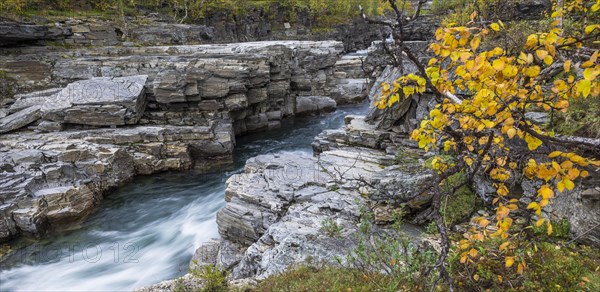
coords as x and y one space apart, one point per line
147 231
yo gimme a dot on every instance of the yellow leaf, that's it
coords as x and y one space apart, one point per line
523 59
498 64
473 252
587 64
567 66
540 222
549 228
545 192
504 246
584 173
533 206
566 164
533 71
511 133
573 173
495 26
532 40
484 222
569 184
590 74
510 71
532 142
541 54
554 154
548 60
473 15
520 269
584 87
579 160
560 186
509 261
588 29
563 105
475 43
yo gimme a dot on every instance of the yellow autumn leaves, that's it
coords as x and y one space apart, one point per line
496 90
406 86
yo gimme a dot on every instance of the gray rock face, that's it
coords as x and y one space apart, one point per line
314 104
20 119
581 207
51 179
163 33
276 209
246 79
23 101
12 32
403 116
177 107
350 81
101 101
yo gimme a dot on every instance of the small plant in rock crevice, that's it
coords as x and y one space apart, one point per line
331 228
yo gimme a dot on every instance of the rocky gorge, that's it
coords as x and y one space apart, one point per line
167 108
279 210
84 111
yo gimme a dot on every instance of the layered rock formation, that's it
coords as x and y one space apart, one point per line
12 33
276 210
258 83
145 110
100 101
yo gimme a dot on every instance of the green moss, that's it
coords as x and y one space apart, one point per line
560 230
459 206
406 157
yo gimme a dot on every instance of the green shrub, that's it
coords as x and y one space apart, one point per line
391 259
331 228
551 267
214 278
582 119
324 12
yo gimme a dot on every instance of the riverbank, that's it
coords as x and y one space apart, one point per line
163 218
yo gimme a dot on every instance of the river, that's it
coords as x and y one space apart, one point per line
147 231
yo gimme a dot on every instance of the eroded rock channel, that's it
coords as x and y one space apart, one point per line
63 151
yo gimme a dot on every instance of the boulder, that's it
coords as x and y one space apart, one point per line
403 116
100 101
349 91
20 119
314 104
